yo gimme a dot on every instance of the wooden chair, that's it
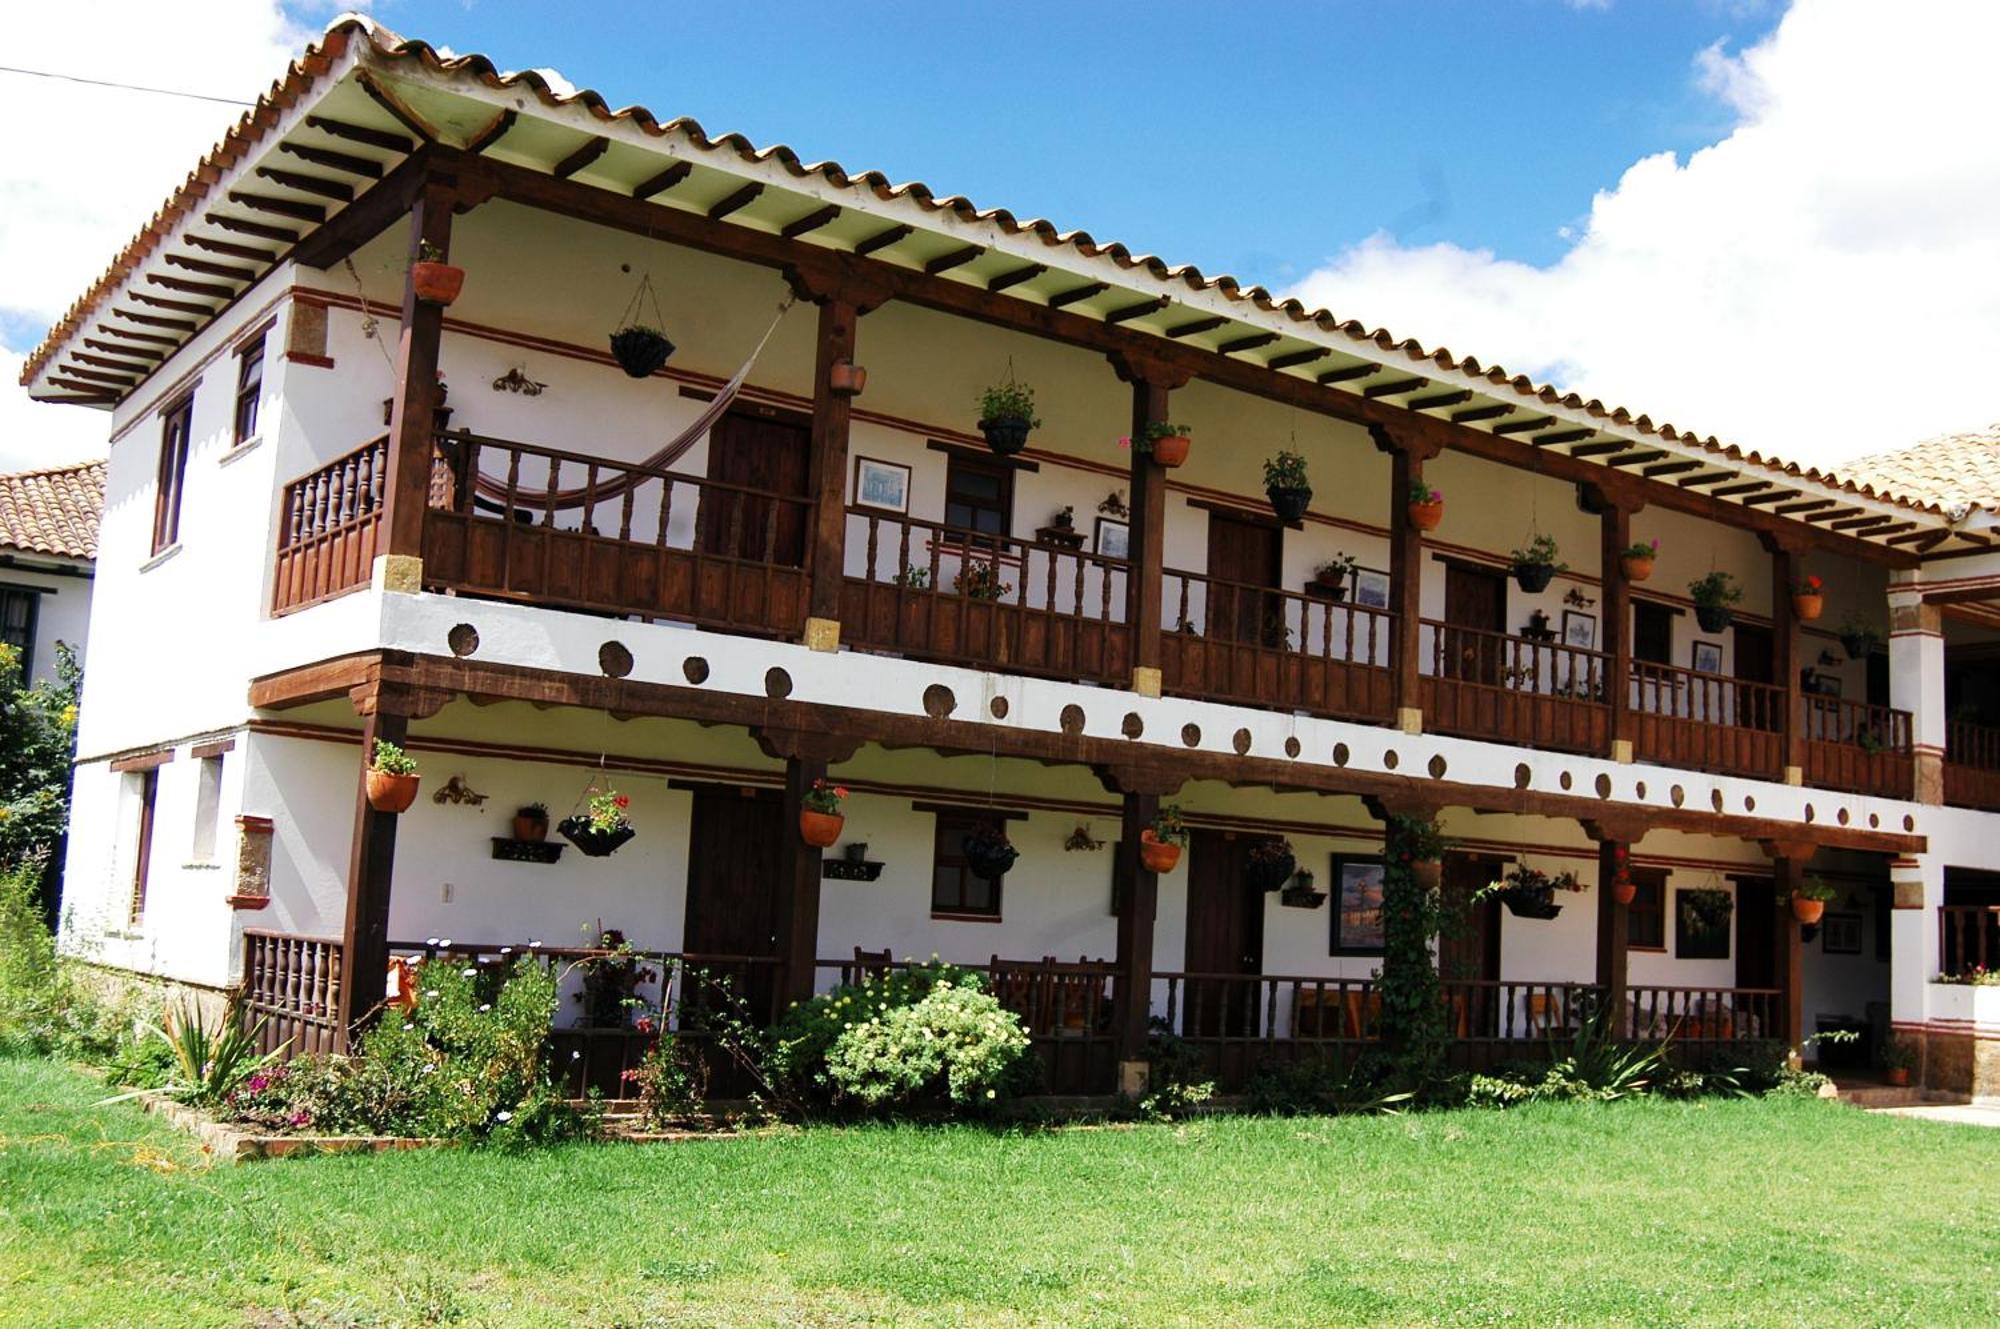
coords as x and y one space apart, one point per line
1364 1013
872 966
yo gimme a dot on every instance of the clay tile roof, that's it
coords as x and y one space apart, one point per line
54 511
1947 471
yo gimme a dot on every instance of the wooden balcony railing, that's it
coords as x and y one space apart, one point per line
1859 748
1265 647
1972 766
327 528
1243 1023
291 991
1490 685
1706 722
950 594
1699 1017
1968 938
524 522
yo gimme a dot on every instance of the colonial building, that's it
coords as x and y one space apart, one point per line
351 504
48 551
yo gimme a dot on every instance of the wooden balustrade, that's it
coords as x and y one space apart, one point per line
1240 1024
328 527
1682 717
1265 647
525 522
1698 1017
291 990
1859 748
1968 938
1972 766
1543 694
946 593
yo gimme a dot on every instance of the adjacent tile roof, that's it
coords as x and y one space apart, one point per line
386 49
1951 470
54 511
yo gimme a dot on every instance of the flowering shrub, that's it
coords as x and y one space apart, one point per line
956 1045
1979 976
1421 493
606 812
824 797
671 1081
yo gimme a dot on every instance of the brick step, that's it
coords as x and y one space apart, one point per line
1885 1096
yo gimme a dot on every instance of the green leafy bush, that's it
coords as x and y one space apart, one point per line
1300 1088
37 744
956 1044
43 1011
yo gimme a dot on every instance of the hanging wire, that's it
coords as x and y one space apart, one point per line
645 292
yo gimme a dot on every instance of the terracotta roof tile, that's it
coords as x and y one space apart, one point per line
54 511
1948 471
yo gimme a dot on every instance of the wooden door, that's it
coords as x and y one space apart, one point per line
1225 936
734 857
1756 662
1243 560
1756 933
1469 943
1474 598
773 458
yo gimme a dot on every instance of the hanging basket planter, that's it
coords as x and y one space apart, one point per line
436 283
1624 892
641 348
1427 516
1807 608
1636 568
1534 578
1807 911
1302 896
989 853
1532 902
1290 505
589 840
1286 486
1714 597
1858 645
1158 855
1007 415
1269 865
1007 435
1714 618
392 778
820 829
1428 873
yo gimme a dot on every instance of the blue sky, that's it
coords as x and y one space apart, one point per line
1487 124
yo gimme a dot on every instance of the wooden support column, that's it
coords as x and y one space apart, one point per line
371 868
1615 508
806 754
1788 869
1785 657
1151 384
1407 456
1138 896
1615 838
413 399
831 410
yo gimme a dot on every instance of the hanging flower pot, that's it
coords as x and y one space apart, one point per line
1428 873
1167 444
1858 643
392 779
436 283
1529 892
602 827
1535 902
531 823
1807 911
1156 854
640 350
1714 618
1807 608
1714 596
1285 485
1426 506
1006 415
1536 565
1269 864
1300 893
846 379
1625 892
1635 561
820 818
989 853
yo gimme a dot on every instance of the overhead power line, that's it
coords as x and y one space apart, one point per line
124 87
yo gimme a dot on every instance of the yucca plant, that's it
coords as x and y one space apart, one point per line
210 1063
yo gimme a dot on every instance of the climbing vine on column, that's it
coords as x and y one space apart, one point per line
1414 1029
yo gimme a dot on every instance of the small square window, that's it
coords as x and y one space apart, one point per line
1646 916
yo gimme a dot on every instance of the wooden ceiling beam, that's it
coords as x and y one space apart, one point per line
119 348
398 110
1855 523
1291 359
113 330
1347 374
1634 458
278 207
1395 387
1602 447
1436 400
1743 487
87 392
736 202
1016 276
1659 469
1771 496
374 138
492 131
812 221
308 184
99 376
957 258
209 289
1808 505
178 306
1127 313
208 269
1492 412
150 321
231 248
105 362
1830 514
881 240
1704 479
1078 294
1561 436
593 148
1192 326
365 167
1246 343
1524 426
243 227
665 180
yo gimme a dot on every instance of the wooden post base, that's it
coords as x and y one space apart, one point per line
823 634
1146 681
398 572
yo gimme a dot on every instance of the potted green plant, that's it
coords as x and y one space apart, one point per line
1635 560
1529 892
1809 899
1426 506
1714 596
989 853
1300 893
392 778
820 818
1331 579
1160 844
602 827
978 580
1269 864
1858 639
1065 518
1536 564
1167 443
1808 598
434 281
640 350
531 822
1285 485
1006 415
1899 1058
1423 847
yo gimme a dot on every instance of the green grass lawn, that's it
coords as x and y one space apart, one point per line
1778 1212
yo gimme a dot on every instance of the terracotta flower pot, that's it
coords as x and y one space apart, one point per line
1808 911
820 829
1172 450
1158 855
847 379
1427 516
1624 892
1635 569
1808 607
1897 1077
1428 873
532 829
436 283
391 793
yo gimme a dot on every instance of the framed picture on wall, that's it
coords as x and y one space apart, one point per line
1371 588
1840 934
881 484
1822 684
1357 905
1579 629
1113 539
1707 657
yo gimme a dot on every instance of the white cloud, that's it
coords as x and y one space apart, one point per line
1823 282
88 166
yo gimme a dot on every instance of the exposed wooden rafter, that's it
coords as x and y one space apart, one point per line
1246 343
1348 373
1290 359
1435 400
231 248
365 167
374 138
1126 313
397 108
209 289
593 148
957 258
1659 469
206 268
1561 436
492 131
1015 276
278 207
1477 413
812 221
1078 294
881 240
1196 325
665 180
1524 426
1395 387
736 202
242 226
